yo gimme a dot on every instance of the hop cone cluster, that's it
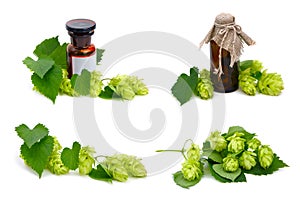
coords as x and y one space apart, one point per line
253 79
86 160
128 86
239 151
205 87
270 84
192 168
121 166
55 165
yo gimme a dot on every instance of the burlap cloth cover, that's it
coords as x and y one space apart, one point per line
228 36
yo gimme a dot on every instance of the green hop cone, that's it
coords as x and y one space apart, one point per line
204 74
95 83
55 165
132 164
191 170
125 91
270 84
86 160
236 143
205 89
137 85
247 160
116 169
217 141
253 144
230 163
247 84
193 152
265 156
65 85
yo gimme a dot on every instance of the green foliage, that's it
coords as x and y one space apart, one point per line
185 86
70 157
38 154
29 136
100 173
184 183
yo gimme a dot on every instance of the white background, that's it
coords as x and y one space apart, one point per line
274 26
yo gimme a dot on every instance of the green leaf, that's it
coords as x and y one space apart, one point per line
108 93
70 157
46 47
81 83
276 165
99 55
59 56
31 137
181 181
218 168
245 64
37 156
49 84
240 178
39 67
234 129
185 85
100 174
216 157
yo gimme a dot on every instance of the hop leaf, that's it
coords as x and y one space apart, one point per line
270 84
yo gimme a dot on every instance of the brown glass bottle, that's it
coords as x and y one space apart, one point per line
229 80
81 54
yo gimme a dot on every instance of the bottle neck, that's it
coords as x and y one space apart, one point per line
80 41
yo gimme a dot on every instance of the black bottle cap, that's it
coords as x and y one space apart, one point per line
80 25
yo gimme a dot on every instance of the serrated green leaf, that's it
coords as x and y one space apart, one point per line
70 157
218 168
100 173
59 56
276 165
99 55
31 137
240 178
215 156
46 47
39 67
181 181
37 156
81 83
185 85
49 84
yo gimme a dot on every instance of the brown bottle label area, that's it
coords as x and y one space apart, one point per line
229 80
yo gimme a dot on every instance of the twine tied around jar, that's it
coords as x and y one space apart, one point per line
228 36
